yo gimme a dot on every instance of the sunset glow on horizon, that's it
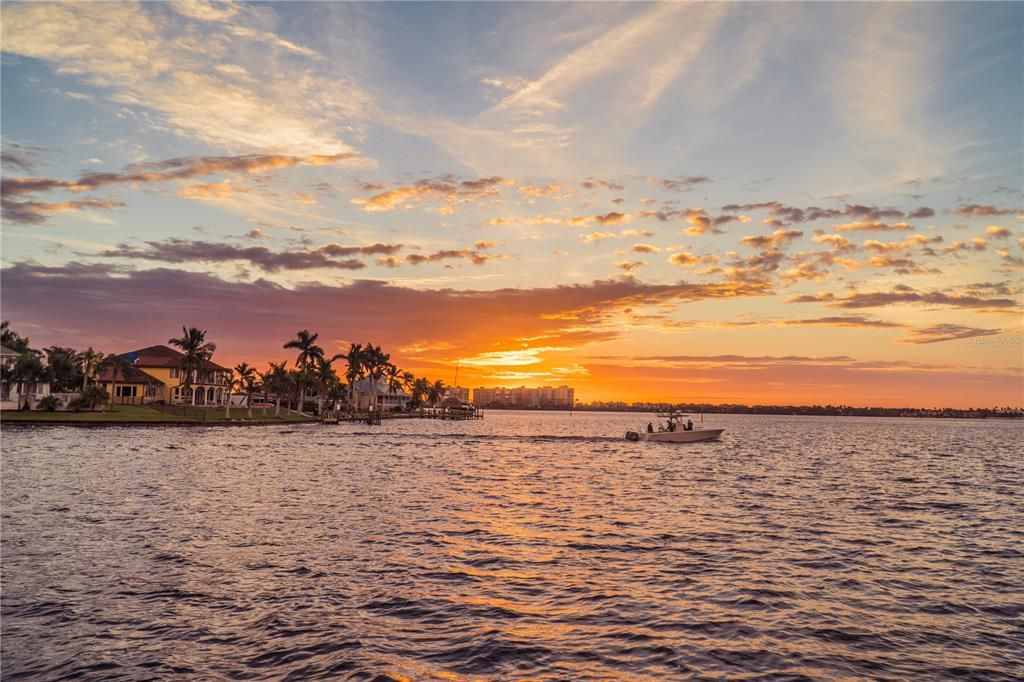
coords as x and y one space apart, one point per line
724 203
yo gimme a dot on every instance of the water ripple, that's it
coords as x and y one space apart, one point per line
525 546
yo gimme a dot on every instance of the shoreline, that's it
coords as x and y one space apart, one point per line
6 423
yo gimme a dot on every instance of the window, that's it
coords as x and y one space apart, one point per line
150 390
123 391
175 373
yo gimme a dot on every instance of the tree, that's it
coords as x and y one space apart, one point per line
275 381
297 379
436 391
12 339
88 360
354 358
30 371
196 351
309 352
247 382
118 366
394 377
92 396
227 403
420 389
375 361
326 377
65 368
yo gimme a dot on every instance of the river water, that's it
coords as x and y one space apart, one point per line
526 545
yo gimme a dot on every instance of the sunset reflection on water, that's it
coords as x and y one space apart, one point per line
527 546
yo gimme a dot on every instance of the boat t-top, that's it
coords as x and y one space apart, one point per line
673 430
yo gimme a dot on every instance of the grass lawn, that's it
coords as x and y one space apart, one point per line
135 413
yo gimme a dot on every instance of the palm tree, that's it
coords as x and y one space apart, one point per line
118 366
29 370
297 379
436 391
227 403
335 393
197 352
88 360
64 367
355 358
326 377
275 381
376 362
12 339
264 390
309 353
394 377
247 382
419 388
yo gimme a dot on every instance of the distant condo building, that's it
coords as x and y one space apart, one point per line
458 392
544 396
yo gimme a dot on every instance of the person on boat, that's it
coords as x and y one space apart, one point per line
650 427
689 425
671 425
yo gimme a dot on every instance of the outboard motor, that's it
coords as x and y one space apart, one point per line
632 435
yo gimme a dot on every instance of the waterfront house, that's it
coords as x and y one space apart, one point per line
163 365
132 387
387 400
14 393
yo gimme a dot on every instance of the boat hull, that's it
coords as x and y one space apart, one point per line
679 436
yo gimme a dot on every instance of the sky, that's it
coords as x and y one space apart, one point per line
727 203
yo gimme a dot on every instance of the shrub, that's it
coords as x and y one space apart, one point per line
94 395
49 403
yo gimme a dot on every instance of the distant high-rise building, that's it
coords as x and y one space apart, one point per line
458 392
544 396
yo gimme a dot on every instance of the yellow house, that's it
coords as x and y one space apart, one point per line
156 375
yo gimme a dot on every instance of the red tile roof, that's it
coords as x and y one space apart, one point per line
162 356
127 375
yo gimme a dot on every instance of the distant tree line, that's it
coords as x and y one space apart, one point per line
810 410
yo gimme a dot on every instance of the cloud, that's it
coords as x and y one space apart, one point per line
776 238
598 237
172 169
907 244
645 248
837 242
905 294
630 265
601 184
939 333
205 11
684 259
997 232
38 212
982 210
544 190
145 59
474 256
331 256
113 308
784 215
446 189
684 184
844 321
613 218
869 226
20 157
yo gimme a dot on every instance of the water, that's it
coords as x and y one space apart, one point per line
523 546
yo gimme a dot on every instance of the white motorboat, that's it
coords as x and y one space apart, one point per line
674 432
